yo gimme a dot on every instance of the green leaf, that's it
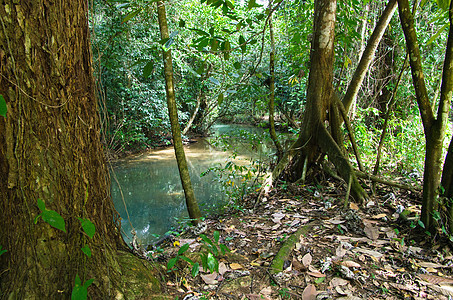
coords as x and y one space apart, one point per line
214 44
54 219
2 251
227 47
242 44
186 259
224 248
195 269
436 35
237 65
86 250
79 292
182 23
214 80
203 43
212 263
131 15
148 69
206 239
41 205
88 282
320 279
220 99
443 4
3 107
171 263
216 235
183 249
88 227
422 225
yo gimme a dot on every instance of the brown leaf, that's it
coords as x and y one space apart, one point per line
222 268
371 232
236 266
337 281
209 278
379 216
316 274
306 260
435 279
353 206
350 264
309 292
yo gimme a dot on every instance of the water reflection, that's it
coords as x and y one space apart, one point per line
152 188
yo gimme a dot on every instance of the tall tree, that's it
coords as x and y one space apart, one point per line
191 202
50 149
434 126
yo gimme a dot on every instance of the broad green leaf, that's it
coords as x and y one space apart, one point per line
148 69
220 99
224 248
79 292
88 227
3 107
187 259
86 250
214 44
171 263
182 23
214 80
41 205
88 282
54 219
206 239
213 264
201 32
422 225
183 249
195 269
131 15
237 65
203 43
227 47
242 44
216 236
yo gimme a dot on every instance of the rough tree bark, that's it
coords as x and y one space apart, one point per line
191 202
50 149
434 127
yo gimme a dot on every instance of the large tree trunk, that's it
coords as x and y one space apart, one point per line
434 127
50 149
191 202
314 138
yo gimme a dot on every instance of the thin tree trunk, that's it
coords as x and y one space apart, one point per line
368 55
191 202
272 132
434 128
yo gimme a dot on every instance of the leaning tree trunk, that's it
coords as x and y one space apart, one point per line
191 202
434 127
50 150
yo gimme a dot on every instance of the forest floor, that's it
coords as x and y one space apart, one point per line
333 250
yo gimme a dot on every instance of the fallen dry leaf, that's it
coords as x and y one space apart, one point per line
353 206
371 232
316 274
266 291
337 281
379 216
222 268
309 292
350 264
370 253
306 260
209 278
236 266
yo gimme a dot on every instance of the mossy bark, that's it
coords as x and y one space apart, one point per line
50 149
191 202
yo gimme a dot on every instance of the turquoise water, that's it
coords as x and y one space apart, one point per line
151 185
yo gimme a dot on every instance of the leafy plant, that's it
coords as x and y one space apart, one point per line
209 260
51 217
2 251
172 262
80 291
3 107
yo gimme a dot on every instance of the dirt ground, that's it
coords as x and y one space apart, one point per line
334 249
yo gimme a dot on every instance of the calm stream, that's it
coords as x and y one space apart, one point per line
152 189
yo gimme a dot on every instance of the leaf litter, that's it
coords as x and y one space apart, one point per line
367 252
